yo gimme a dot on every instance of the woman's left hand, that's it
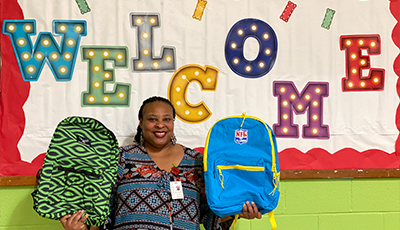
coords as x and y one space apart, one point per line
250 211
75 221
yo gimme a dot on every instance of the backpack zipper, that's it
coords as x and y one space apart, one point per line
238 167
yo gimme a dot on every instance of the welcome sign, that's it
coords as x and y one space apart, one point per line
322 74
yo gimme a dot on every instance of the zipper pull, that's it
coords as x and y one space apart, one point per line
221 178
244 117
275 179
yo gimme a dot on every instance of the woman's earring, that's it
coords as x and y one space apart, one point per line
173 139
141 140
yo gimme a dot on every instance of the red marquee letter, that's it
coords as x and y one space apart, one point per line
358 48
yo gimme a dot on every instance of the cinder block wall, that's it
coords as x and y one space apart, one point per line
335 204
313 204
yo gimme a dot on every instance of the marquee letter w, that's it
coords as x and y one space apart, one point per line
60 58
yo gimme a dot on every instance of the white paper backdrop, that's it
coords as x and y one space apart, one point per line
306 53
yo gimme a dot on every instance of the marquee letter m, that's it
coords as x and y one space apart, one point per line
310 99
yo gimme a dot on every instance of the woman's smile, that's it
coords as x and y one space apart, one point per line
160 134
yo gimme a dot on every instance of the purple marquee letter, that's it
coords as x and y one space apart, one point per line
310 99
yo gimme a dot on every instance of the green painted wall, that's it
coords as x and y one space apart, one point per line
329 204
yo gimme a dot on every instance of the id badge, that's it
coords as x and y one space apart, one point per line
176 190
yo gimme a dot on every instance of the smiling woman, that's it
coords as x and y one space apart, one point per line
156 125
160 184
157 134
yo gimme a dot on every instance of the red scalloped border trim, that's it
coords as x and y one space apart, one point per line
395 11
347 158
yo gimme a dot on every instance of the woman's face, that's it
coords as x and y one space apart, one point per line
157 124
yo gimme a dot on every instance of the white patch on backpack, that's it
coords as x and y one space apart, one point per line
84 141
241 136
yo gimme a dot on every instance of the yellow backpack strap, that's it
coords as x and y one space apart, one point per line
235 221
272 220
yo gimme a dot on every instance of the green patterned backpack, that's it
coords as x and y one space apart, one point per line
79 171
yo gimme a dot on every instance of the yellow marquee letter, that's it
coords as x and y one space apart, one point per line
207 77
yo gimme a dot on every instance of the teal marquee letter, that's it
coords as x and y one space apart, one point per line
99 75
60 58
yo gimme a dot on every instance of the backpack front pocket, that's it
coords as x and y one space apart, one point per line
239 180
225 168
77 188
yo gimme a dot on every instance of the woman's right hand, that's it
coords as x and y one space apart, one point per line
250 211
75 221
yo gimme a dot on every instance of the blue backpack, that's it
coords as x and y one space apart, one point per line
241 164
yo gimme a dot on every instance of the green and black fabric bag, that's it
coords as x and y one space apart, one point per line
79 171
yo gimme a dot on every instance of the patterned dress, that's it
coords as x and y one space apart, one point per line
144 196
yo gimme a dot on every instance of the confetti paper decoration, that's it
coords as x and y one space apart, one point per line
199 11
326 23
287 12
83 6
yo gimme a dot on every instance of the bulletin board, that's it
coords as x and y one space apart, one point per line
323 75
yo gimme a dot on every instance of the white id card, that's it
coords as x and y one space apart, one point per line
176 190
